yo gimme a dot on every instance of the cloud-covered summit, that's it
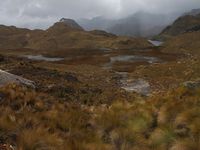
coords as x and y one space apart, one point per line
42 13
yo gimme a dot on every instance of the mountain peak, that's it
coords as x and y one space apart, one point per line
71 23
65 25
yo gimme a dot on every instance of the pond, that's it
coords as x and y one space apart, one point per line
43 58
156 43
134 58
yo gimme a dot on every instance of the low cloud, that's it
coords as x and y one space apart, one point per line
42 13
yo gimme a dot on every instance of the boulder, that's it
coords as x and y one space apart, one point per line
8 78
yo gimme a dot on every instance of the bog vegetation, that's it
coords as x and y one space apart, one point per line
78 103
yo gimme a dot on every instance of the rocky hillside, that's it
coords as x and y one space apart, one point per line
62 35
12 37
185 23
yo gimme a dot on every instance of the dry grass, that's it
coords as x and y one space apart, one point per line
34 120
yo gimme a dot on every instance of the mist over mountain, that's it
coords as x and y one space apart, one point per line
100 23
141 24
42 13
193 12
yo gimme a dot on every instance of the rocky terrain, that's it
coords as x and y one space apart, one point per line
70 89
187 23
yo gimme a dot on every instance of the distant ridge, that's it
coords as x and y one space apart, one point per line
65 34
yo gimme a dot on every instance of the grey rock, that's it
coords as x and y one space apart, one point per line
139 86
8 78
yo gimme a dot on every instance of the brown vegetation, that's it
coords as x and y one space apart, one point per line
33 120
63 36
79 105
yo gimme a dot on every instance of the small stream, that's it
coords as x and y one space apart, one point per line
139 85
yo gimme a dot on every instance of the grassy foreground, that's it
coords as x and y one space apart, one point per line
32 120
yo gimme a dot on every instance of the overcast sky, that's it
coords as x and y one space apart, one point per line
42 13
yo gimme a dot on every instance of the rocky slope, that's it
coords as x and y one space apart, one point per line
185 23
